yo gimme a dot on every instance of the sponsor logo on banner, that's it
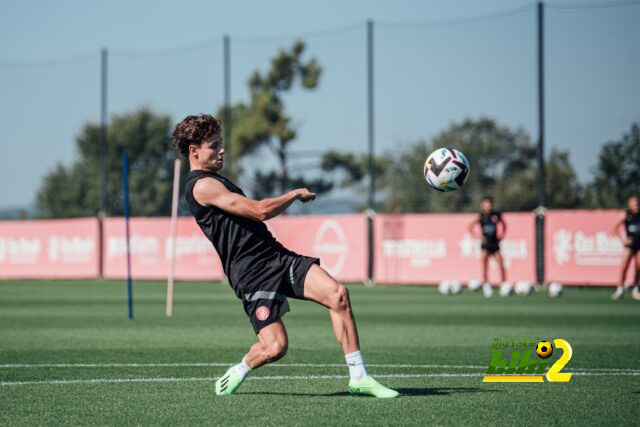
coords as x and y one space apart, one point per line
420 252
330 244
195 244
599 248
139 245
511 249
71 249
19 250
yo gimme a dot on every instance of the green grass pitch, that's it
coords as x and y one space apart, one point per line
68 355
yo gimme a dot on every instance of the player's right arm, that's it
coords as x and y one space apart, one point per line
618 229
472 226
211 192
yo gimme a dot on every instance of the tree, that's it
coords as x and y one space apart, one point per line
519 192
503 164
264 121
70 191
494 152
617 174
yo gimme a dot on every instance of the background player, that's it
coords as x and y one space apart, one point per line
631 238
493 230
261 271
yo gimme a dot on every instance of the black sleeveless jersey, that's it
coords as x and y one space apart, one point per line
489 223
632 225
245 246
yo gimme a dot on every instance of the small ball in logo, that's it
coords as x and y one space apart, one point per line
544 349
262 313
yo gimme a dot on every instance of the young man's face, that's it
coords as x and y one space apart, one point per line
208 155
633 204
486 205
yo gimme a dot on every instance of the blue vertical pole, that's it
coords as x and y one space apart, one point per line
125 173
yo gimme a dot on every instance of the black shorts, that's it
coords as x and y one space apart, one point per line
491 246
266 303
634 246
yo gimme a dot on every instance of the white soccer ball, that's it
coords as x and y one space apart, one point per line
474 285
555 289
443 287
505 289
522 288
446 169
455 287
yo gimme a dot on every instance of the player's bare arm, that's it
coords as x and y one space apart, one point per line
210 192
472 227
501 229
618 229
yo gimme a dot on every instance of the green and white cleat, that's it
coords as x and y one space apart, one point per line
229 382
367 386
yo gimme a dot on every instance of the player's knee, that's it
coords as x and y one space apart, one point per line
341 299
276 349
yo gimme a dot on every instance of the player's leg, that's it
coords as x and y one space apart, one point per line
320 287
485 266
635 293
626 261
487 290
500 261
271 346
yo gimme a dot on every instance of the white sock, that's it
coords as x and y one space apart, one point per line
357 371
242 368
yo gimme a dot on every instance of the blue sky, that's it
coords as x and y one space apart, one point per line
427 76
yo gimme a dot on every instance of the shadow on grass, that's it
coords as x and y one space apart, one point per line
403 392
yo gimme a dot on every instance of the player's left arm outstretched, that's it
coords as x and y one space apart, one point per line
210 192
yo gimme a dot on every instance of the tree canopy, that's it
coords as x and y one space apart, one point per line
74 190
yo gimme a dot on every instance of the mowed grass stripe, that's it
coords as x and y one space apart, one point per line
276 365
272 377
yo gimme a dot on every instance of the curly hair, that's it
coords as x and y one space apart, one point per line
194 130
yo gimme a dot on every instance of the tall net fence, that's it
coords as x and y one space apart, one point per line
427 75
447 72
592 65
176 81
330 117
43 108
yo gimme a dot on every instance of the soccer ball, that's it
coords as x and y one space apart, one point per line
505 289
474 285
544 349
455 287
443 287
446 169
555 289
522 288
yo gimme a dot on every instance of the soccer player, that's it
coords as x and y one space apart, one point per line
631 239
493 230
262 272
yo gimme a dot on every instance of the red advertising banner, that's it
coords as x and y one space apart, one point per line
581 247
64 248
428 248
340 241
150 245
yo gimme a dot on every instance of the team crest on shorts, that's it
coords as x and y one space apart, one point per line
262 313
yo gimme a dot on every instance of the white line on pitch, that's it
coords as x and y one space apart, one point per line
274 377
275 365
205 364
178 379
